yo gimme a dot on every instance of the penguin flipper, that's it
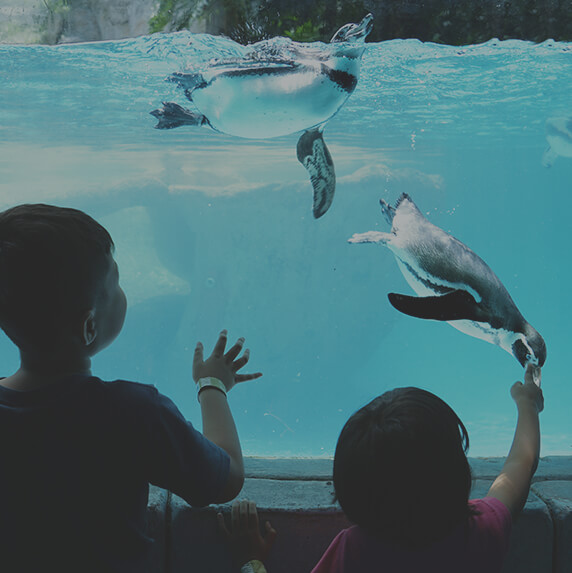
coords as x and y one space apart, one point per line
173 115
455 305
315 157
371 237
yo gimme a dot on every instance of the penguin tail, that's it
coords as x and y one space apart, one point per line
172 115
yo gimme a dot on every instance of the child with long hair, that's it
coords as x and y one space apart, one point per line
401 475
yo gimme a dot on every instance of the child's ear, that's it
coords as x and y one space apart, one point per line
88 328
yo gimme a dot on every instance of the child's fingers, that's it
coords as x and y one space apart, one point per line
528 373
515 389
246 515
235 350
218 350
235 516
252 515
238 364
197 357
271 533
245 377
222 525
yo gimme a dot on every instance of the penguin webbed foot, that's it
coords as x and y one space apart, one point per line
455 305
173 115
314 155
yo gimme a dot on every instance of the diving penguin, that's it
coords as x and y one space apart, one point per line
275 90
559 137
453 283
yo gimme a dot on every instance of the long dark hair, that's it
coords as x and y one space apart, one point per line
401 469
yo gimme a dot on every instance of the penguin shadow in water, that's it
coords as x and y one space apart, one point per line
453 283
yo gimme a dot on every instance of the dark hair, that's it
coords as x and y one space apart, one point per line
401 470
52 262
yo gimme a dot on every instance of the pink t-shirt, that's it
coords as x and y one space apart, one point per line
481 548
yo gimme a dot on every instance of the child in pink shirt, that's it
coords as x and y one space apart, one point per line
401 475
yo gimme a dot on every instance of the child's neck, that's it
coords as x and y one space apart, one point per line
38 372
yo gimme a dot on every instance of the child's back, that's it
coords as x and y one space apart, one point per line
77 460
78 454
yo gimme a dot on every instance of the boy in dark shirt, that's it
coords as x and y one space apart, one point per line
77 454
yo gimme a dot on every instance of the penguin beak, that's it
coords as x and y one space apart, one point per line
525 354
361 30
353 32
520 352
365 26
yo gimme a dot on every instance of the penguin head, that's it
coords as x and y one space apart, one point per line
354 32
529 347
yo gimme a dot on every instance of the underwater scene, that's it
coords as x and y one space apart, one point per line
238 215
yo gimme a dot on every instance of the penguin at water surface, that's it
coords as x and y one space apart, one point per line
453 283
278 89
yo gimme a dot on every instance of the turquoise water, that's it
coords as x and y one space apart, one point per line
217 232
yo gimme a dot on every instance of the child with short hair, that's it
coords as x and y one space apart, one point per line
401 475
77 454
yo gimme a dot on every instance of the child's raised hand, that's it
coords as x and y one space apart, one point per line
244 538
530 390
223 366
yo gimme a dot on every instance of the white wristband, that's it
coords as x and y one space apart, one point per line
210 382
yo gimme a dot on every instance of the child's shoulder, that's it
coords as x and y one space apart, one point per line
131 393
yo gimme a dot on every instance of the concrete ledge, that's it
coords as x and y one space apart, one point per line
558 497
297 497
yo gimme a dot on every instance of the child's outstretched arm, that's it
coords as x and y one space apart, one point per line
512 485
218 423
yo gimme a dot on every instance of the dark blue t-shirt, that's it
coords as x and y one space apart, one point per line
76 460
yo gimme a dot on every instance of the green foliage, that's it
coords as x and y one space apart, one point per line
173 15
306 32
163 16
454 22
246 21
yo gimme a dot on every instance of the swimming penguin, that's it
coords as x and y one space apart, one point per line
453 283
559 137
276 90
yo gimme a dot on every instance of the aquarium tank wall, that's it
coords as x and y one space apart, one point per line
215 230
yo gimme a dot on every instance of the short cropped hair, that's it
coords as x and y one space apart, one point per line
52 263
401 469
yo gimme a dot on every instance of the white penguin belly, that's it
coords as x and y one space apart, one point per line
482 330
269 105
